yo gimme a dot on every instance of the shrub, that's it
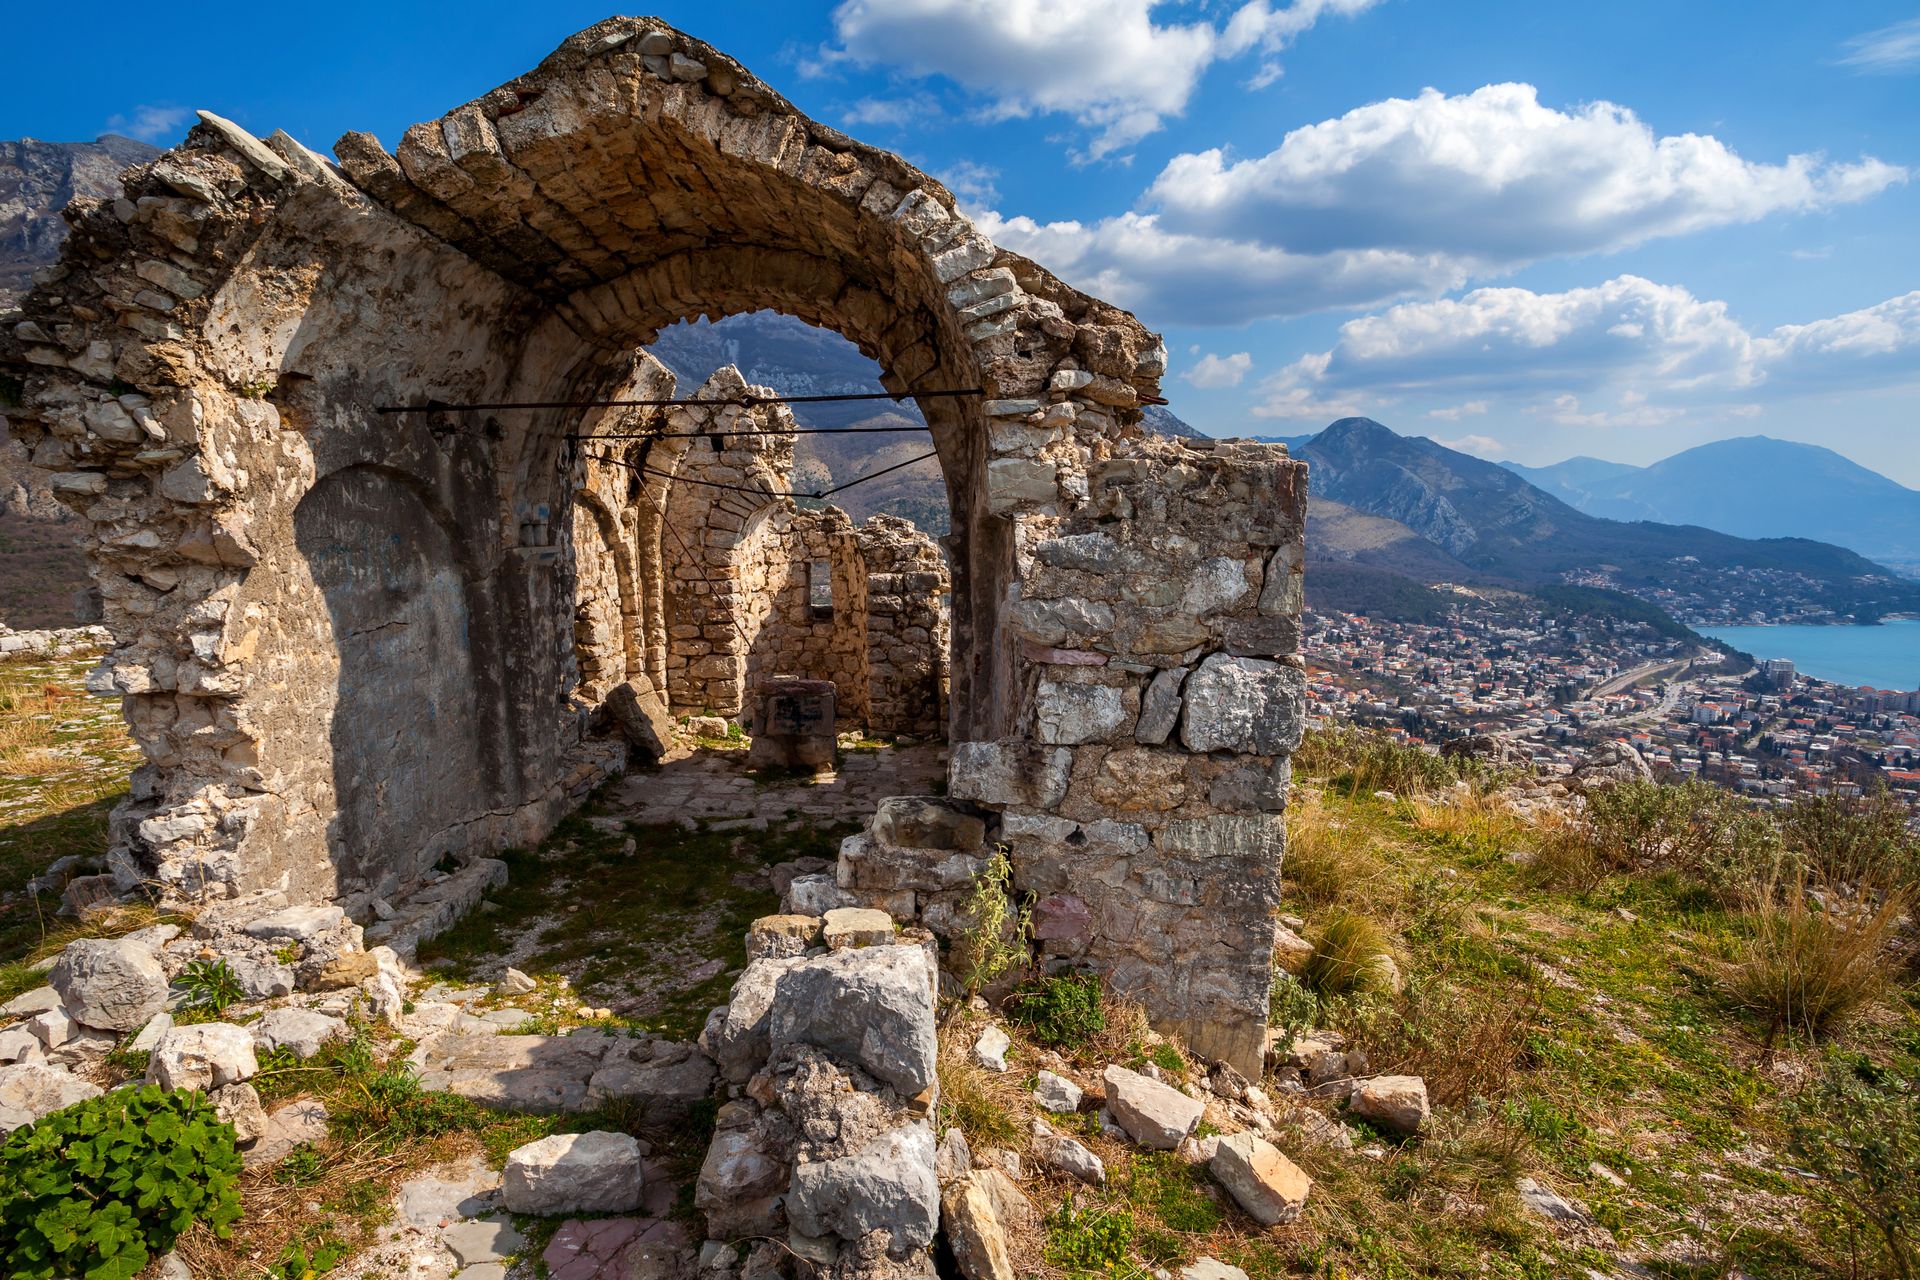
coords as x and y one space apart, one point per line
211 985
1858 1131
100 1188
1063 1011
1345 948
1860 841
1708 835
995 943
1093 1241
1808 971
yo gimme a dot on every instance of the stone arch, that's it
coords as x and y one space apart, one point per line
1124 618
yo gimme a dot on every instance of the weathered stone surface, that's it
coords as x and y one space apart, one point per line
109 983
856 927
1056 1093
974 1228
925 822
304 1031
740 1187
487 1240
295 1124
738 1035
1247 705
239 1105
30 1090
1270 1187
814 895
204 1056
1397 1103
873 1005
1071 713
782 937
1211 1269
990 1048
596 1172
297 924
1153 1114
28 1003
1072 1157
888 1185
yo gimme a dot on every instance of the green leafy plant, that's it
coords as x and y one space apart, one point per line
99 1189
1063 1011
302 1168
996 942
1858 1129
211 985
1091 1241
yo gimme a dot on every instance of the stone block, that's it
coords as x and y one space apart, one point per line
1245 705
1270 1187
204 1057
1154 1115
1009 772
1396 1103
856 927
873 1006
1065 714
109 983
29 1090
596 1172
889 1184
926 822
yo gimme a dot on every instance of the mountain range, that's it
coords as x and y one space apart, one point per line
1754 487
1465 520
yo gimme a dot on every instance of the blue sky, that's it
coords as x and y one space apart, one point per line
1532 230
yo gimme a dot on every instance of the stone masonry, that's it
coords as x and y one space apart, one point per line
349 642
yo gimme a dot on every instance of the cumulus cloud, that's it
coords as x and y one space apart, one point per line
890 113
1105 63
974 185
149 122
1417 196
1494 177
1213 372
1645 351
1887 51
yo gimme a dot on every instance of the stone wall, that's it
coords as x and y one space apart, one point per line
349 641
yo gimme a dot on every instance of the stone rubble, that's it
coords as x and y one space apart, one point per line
594 1172
1155 1115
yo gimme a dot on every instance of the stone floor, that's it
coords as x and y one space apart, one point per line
714 785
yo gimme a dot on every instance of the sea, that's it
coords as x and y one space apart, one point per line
1885 656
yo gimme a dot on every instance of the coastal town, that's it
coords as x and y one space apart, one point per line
1557 685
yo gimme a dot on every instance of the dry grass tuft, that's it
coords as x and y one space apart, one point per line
1805 971
1345 951
1330 855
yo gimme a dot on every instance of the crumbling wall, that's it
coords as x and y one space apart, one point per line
907 590
213 352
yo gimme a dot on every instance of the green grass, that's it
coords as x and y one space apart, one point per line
683 897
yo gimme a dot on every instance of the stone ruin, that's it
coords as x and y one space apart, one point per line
354 645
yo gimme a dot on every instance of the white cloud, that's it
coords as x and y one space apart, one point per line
1478 446
1491 177
1472 408
150 123
1628 352
974 185
1105 63
1888 51
1212 372
890 113
1413 197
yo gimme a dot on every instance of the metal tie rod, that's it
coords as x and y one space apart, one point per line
744 402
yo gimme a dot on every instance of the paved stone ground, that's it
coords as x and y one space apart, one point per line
696 784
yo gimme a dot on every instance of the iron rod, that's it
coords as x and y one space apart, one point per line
744 402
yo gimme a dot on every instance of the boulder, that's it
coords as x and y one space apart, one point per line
1396 1103
202 1057
596 1172
29 1090
740 1186
636 710
873 1006
1270 1187
1056 1093
109 983
887 1185
1154 1115
305 1031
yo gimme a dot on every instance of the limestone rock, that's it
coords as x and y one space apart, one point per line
29 1090
739 1187
596 1172
515 983
1270 1187
305 1031
974 1229
239 1105
203 1057
871 1005
857 927
1154 1115
1056 1093
889 1184
1072 1157
782 937
953 1158
990 1050
297 924
1248 705
814 895
25 1005
109 983
738 1035
1398 1103
296 1124
1211 1269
